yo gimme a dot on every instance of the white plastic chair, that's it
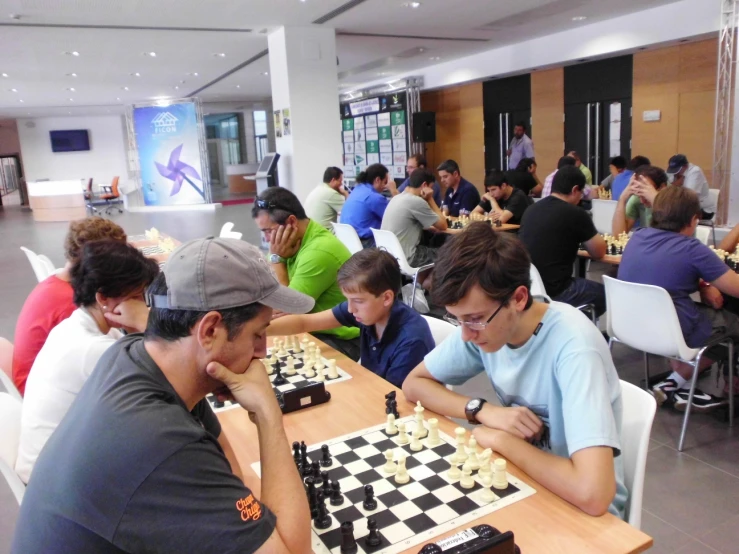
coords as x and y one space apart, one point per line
348 237
639 408
14 482
6 369
440 329
656 330
39 267
388 241
537 284
228 233
48 264
10 428
713 194
702 233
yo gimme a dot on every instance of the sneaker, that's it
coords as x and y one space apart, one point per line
664 391
702 401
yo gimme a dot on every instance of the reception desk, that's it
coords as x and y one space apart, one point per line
57 200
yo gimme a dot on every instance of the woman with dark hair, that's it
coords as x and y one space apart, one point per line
108 284
524 177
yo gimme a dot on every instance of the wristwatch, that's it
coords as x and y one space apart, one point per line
276 259
473 408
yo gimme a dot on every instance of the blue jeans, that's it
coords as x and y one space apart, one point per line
584 291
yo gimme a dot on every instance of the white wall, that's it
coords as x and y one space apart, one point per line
105 159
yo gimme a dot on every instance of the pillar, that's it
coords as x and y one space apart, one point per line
303 72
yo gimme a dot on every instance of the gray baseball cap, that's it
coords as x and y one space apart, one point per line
220 273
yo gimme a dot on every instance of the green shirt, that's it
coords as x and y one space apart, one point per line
638 212
588 175
313 271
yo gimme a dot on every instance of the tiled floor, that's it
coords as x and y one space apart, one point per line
691 499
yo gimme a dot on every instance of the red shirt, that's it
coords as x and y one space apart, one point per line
49 303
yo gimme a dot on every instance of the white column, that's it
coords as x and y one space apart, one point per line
302 62
733 215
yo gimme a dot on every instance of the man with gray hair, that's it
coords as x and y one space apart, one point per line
139 462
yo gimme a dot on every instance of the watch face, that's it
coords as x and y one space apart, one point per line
473 404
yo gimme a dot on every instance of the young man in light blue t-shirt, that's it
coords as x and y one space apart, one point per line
560 419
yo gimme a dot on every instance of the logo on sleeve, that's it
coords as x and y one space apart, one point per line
250 509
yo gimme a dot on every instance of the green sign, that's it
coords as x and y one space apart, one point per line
397 118
348 124
385 133
373 147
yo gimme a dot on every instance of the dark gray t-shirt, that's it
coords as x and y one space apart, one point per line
129 469
407 216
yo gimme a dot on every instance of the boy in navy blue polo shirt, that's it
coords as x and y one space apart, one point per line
394 337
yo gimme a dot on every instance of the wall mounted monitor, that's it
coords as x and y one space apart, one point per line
70 141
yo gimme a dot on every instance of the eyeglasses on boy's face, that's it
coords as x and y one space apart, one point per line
477 325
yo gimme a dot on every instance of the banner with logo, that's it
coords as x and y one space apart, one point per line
170 146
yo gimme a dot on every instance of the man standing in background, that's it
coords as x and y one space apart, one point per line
521 146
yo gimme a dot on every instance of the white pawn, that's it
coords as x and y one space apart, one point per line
296 345
416 444
487 495
312 346
269 369
472 451
319 360
319 375
390 428
281 351
434 439
484 459
290 369
461 454
401 476
454 472
403 436
333 373
467 482
389 466
273 357
500 475
304 345
309 373
422 432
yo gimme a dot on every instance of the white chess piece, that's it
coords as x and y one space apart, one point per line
461 454
467 482
319 375
390 428
333 372
281 351
402 436
268 367
389 466
434 439
472 451
401 476
422 432
500 475
309 373
484 459
487 495
319 360
290 369
416 444
296 345
454 472
304 345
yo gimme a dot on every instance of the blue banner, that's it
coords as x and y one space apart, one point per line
168 144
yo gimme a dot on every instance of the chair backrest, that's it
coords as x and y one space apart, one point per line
537 284
16 490
654 329
48 264
227 233
713 194
639 408
440 329
227 228
703 233
6 357
39 268
348 237
603 211
7 385
10 428
390 242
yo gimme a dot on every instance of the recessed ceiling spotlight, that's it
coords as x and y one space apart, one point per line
220 55
195 74
137 74
71 88
14 90
71 99
21 101
150 54
579 18
118 99
412 5
5 74
435 58
238 86
176 87
71 75
125 88
265 73
72 53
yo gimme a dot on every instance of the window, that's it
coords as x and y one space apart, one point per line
260 134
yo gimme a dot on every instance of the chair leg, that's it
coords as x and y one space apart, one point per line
646 371
413 292
731 384
693 382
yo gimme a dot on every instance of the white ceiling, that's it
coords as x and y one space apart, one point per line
114 37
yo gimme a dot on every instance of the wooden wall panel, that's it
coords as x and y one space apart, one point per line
695 137
547 113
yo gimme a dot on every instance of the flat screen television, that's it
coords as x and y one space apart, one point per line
70 141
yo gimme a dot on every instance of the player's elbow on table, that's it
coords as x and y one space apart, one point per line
594 501
412 386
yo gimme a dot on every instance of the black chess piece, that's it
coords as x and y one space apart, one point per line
348 543
325 456
394 409
296 452
325 484
322 520
337 499
312 492
315 471
305 467
498 223
369 498
373 539
279 378
431 548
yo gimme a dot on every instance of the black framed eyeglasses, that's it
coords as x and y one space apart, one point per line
477 325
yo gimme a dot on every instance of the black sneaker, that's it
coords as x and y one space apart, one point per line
702 401
664 391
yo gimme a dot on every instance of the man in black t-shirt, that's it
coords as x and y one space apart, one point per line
137 464
503 202
524 177
552 230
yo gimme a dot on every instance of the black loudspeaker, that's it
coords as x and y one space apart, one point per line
424 127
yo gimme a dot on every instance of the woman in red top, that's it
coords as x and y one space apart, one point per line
50 302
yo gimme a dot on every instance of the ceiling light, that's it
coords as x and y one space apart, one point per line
125 88
137 74
72 53
265 73
14 16
71 99
192 74
220 55
71 75
21 101
435 58
14 90
238 86
118 99
151 54
412 5
71 88
5 74
176 87
579 18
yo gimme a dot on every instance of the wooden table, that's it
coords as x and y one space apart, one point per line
582 259
140 242
541 523
503 227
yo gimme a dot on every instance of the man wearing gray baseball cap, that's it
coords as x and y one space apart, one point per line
139 463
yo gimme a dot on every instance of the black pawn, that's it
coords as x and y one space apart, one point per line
315 471
374 538
369 498
337 499
325 456
279 377
296 452
325 484
322 520
348 543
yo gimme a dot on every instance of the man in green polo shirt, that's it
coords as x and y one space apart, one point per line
305 257
635 203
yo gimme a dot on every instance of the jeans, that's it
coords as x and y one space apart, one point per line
584 291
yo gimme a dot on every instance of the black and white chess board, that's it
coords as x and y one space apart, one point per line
407 515
150 250
297 381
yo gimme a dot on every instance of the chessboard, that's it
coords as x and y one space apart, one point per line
151 250
299 352
428 505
